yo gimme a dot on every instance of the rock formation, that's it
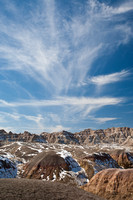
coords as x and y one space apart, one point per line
101 161
112 184
113 135
123 158
46 166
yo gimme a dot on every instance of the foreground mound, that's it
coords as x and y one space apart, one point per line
25 189
112 184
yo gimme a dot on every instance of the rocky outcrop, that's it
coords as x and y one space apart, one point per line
121 135
22 137
46 166
55 166
8 168
112 184
62 137
128 142
26 189
110 135
123 158
101 161
88 167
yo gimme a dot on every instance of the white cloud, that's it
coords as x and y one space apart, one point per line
109 78
57 52
58 128
62 101
104 119
69 105
122 8
7 117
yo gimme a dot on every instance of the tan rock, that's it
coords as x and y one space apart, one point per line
88 167
124 159
112 184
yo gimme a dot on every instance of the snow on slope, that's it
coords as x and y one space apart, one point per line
75 170
104 161
8 169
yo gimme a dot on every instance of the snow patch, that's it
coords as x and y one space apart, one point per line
75 171
8 169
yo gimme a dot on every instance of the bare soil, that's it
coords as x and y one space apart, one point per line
25 189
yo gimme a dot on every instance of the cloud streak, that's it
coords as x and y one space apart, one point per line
54 51
71 106
102 120
61 101
109 78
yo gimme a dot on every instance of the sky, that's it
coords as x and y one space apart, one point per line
66 65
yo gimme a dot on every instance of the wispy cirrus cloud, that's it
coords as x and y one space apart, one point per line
54 48
124 7
39 121
102 120
61 101
71 106
10 117
55 51
17 116
109 78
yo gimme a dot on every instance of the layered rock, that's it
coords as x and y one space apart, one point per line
62 137
55 166
112 184
22 137
113 135
46 166
110 135
88 167
128 142
100 161
123 158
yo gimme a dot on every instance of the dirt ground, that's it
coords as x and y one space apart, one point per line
27 189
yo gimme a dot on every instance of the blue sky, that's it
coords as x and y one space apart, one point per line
65 65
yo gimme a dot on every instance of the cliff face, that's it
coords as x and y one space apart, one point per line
120 135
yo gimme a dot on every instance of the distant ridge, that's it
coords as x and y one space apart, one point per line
119 135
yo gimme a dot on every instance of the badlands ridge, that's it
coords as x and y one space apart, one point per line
100 162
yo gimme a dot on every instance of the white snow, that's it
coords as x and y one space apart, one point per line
75 170
8 169
104 164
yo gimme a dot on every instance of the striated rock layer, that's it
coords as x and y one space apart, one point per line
123 158
120 135
45 166
112 184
